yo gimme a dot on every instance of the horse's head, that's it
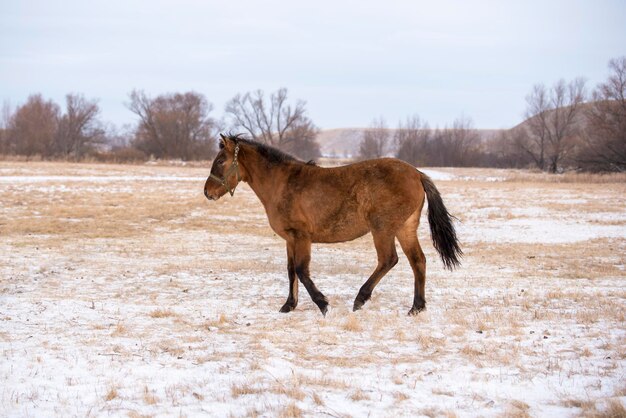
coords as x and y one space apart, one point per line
225 175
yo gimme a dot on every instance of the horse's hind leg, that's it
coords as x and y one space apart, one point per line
407 236
387 258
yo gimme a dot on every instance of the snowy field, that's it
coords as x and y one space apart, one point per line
124 292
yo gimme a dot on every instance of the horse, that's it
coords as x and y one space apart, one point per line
306 204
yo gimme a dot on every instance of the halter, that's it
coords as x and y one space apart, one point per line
234 167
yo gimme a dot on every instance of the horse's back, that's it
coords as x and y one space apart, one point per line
390 186
343 203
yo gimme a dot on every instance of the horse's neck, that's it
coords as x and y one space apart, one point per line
263 179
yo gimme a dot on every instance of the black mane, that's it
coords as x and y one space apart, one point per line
272 155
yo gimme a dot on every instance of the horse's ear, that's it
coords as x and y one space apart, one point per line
227 142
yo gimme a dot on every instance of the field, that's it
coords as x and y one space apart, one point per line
124 292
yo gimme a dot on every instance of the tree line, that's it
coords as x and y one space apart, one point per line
169 126
565 127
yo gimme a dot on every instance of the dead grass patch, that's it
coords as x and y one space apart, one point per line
112 393
172 347
162 313
358 395
317 399
149 397
291 411
443 392
241 389
430 342
290 389
322 381
352 323
135 414
615 409
437 412
569 177
609 408
400 396
120 330
517 409
220 321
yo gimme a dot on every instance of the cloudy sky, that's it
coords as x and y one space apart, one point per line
351 61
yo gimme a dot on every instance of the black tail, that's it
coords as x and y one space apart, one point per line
441 228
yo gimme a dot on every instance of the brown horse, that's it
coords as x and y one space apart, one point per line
306 204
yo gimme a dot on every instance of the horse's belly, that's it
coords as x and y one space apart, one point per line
340 232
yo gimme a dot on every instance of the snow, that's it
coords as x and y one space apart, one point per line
93 179
437 175
543 231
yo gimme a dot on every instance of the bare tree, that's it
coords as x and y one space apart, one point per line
504 151
605 133
79 129
375 140
552 122
32 129
274 122
412 141
301 141
5 119
174 125
456 146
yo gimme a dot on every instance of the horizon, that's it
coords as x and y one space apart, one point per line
358 62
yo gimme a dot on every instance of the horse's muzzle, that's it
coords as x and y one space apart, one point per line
208 196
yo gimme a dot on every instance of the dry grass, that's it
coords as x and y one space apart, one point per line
290 388
615 409
569 177
434 412
290 411
220 321
149 397
401 396
135 414
243 389
609 408
352 324
358 395
120 330
162 313
111 394
517 409
317 399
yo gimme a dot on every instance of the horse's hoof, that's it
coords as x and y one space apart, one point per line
415 310
323 305
358 304
324 308
287 307
360 300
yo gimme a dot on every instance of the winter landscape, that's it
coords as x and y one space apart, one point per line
124 292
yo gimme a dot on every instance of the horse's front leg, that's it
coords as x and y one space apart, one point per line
302 258
292 299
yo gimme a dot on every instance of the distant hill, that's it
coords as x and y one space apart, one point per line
344 142
581 118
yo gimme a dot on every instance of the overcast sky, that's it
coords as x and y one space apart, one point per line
351 61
